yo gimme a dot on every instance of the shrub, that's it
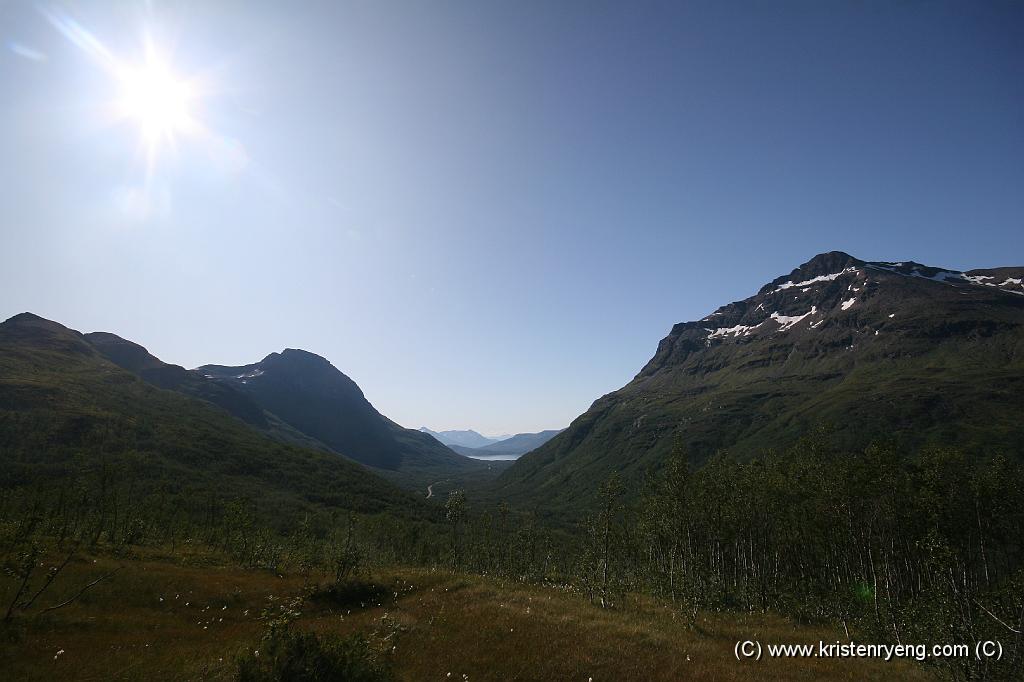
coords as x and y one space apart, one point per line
309 657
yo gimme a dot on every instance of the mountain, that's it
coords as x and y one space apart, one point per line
66 411
510 448
312 396
137 360
521 443
467 439
903 352
480 453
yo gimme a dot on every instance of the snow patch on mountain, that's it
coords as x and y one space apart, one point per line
949 276
784 321
787 321
814 280
738 330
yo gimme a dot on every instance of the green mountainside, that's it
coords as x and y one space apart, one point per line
65 408
896 352
300 398
137 360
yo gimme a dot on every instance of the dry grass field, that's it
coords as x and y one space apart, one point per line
191 618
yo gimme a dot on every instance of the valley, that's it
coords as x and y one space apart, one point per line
465 341
750 478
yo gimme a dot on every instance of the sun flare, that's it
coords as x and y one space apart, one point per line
149 93
157 100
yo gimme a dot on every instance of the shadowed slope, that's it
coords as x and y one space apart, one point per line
313 396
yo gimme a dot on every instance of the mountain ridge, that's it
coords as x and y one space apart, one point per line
65 410
310 394
310 403
881 349
466 438
511 447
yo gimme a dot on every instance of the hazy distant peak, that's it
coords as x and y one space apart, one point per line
466 438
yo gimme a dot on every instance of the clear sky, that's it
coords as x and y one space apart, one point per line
487 213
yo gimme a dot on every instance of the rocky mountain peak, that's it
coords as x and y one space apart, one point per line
298 360
832 296
822 265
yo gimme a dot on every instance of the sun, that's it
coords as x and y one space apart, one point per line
156 99
148 91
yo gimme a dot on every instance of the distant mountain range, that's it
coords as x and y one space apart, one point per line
509 448
880 351
467 439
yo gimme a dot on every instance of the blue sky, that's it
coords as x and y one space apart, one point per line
485 213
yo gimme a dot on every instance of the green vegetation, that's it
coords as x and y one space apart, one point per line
870 547
901 549
288 654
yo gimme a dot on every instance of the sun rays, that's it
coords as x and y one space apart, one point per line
162 103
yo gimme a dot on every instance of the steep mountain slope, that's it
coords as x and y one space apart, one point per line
314 397
65 408
468 438
897 351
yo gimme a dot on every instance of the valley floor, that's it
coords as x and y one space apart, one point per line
159 618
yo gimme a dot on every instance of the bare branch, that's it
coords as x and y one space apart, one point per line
80 592
1015 631
49 579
